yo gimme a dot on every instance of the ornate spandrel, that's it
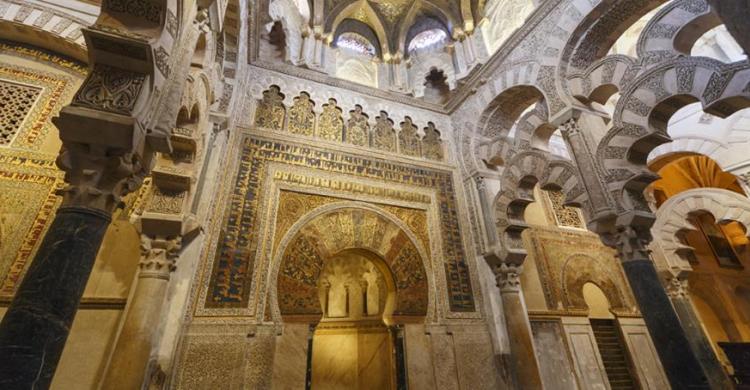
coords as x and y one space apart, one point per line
301 116
564 215
384 136
357 128
432 145
330 123
408 139
270 112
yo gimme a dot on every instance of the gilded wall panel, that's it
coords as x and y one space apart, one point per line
346 228
384 136
52 91
271 111
301 116
408 139
357 128
567 259
237 249
330 123
432 146
27 206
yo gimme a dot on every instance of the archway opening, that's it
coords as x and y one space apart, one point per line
436 86
352 346
354 291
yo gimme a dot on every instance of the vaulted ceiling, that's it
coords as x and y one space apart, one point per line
394 22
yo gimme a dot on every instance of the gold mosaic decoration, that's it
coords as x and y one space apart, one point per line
333 232
54 91
408 139
301 116
564 216
330 123
568 259
357 128
432 146
293 205
392 10
16 100
239 242
301 119
28 200
384 136
270 112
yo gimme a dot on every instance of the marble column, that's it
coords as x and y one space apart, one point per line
36 325
130 357
34 330
526 367
669 337
677 290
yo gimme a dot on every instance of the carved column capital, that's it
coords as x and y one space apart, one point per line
158 256
480 182
677 288
632 243
508 277
98 177
570 127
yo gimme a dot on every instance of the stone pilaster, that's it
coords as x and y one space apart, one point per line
590 173
484 203
677 290
130 357
669 337
521 341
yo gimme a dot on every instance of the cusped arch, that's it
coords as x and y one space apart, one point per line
343 226
675 29
522 173
672 219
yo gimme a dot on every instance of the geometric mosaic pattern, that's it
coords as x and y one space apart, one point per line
235 257
16 101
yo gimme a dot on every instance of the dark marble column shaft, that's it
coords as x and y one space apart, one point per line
717 377
35 327
677 358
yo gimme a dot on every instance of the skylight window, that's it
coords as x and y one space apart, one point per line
355 43
428 39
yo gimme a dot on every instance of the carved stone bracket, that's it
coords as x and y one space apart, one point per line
508 277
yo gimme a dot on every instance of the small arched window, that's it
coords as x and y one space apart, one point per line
429 39
355 43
